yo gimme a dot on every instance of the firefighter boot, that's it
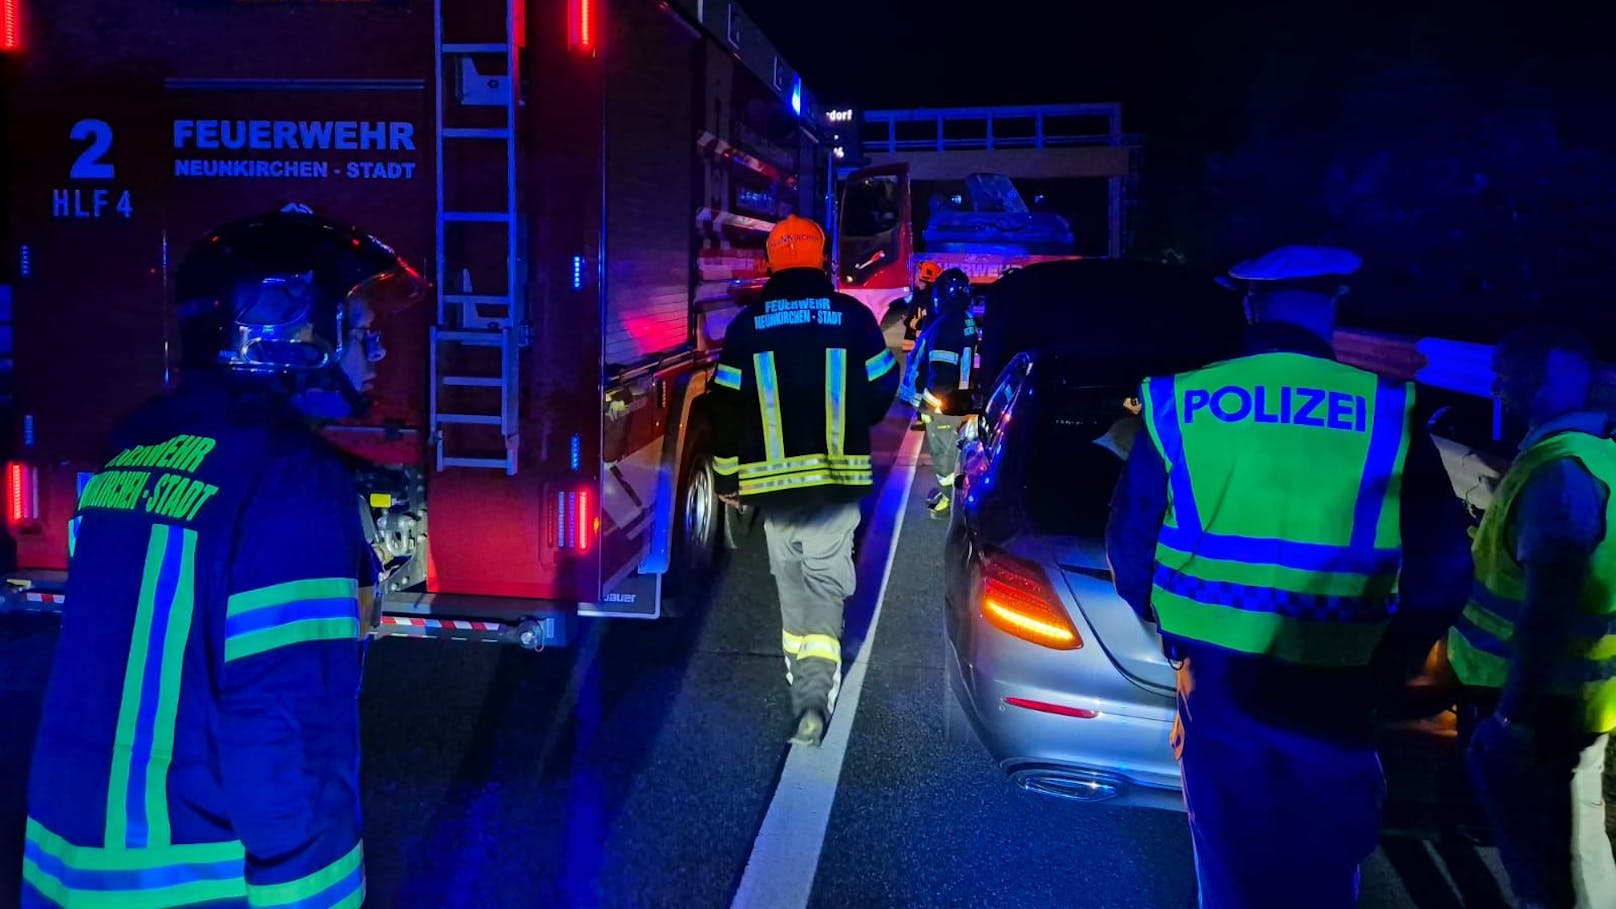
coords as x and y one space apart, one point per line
810 728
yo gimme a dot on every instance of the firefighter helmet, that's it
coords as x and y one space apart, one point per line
953 291
796 242
289 295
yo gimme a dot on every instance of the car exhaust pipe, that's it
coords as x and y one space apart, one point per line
1071 783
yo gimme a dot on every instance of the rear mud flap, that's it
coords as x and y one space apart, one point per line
635 596
738 524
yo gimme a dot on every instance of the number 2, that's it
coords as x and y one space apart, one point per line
89 165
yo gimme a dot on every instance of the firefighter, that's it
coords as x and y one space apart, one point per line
804 374
902 325
199 738
1535 639
1294 535
918 305
943 360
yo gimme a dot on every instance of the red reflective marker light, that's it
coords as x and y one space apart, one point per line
582 22
22 493
1081 713
10 26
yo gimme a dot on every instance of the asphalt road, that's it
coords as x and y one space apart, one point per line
638 766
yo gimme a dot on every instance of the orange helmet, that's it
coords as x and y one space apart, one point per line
796 242
928 273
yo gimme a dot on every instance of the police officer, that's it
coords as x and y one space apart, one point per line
199 739
942 368
804 374
1536 638
1295 537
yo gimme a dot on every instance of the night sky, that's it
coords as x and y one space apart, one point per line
1184 72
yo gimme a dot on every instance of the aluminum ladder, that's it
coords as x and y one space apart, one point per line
465 318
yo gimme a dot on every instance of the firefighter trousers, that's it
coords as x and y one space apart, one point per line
942 440
811 558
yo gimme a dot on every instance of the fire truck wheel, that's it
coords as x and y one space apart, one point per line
698 517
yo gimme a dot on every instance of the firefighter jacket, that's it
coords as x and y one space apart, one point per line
1479 646
944 356
199 740
804 374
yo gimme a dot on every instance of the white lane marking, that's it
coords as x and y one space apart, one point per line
785 856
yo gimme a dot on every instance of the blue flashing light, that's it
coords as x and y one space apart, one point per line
577 272
577 450
28 431
796 96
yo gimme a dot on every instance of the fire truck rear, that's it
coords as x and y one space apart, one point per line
587 183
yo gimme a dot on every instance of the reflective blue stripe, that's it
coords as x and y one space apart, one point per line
944 356
1284 553
1310 606
1165 403
1385 439
138 833
134 880
879 365
285 613
774 443
835 400
965 368
1480 638
728 376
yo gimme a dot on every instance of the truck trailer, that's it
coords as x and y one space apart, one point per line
585 184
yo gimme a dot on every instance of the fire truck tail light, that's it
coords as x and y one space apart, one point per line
22 493
583 22
574 520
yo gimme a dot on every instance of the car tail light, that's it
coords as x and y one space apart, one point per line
1017 599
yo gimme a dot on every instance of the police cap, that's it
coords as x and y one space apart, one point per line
1299 264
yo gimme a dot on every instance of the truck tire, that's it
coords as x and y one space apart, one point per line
698 518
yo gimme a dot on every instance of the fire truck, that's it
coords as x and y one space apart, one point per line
983 225
586 184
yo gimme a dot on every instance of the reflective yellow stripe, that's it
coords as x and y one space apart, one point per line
774 443
965 368
932 401
879 365
790 643
820 647
805 462
804 480
726 466
728 377
835 400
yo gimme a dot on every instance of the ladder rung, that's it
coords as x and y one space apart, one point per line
485 217
478 299
475 48
474 381
459 132
477 338
474 419
498 463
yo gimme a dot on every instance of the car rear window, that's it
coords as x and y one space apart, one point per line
1076 444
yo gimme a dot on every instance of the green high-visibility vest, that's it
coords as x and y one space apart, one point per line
1282 536
1479 645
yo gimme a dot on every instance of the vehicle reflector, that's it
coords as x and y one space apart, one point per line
1017 599
10 26
22 493
1081 713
